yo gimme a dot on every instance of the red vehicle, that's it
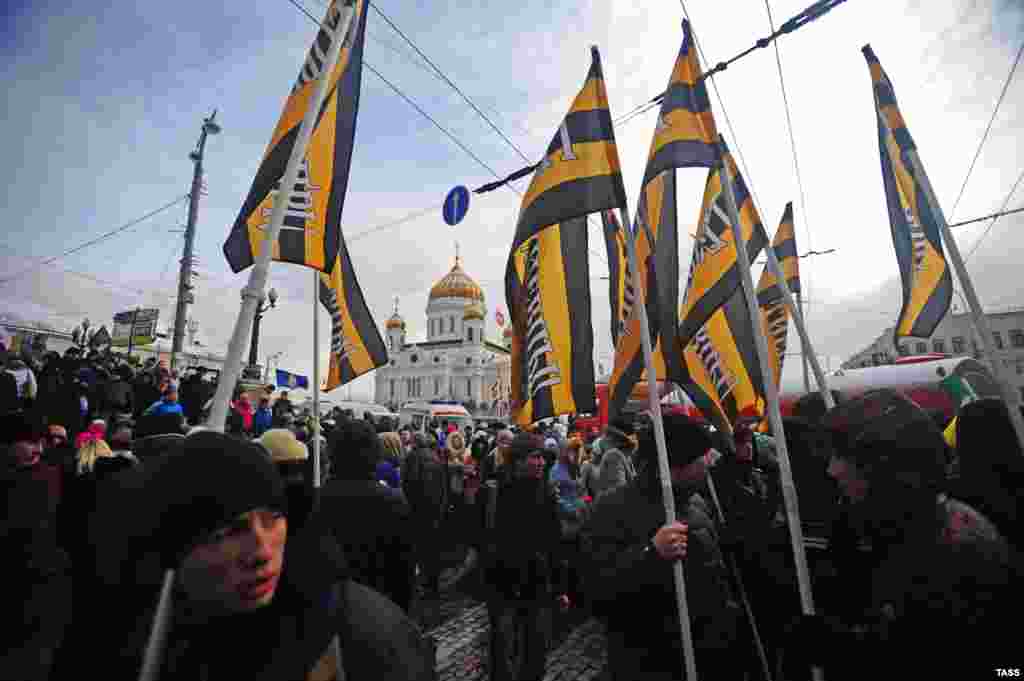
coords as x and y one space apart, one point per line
918 378
638 402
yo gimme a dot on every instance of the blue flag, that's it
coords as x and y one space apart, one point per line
289 380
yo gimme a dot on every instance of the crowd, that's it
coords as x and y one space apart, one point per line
123 517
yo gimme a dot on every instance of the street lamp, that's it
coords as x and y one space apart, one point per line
260 311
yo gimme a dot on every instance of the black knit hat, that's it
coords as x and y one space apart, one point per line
685 439
212 480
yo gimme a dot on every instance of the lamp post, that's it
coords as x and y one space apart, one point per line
185 297
260 311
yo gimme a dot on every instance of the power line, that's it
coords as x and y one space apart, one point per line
992 224
93 242
394 223
450 83
792 140
988 129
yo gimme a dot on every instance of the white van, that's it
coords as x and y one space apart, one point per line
420 415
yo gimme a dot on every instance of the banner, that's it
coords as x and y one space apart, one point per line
621 294
714 276
310 233
356 344
774 313
927 283
547 277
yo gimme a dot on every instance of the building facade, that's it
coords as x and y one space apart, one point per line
455 362
955 336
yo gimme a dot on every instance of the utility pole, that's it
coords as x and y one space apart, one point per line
185 296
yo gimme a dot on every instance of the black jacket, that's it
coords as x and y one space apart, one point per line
521 548
371 523
633 590
285 640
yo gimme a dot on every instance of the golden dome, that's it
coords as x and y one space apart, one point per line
395 321
457 284
474 311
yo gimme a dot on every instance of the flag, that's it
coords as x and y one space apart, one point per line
291 381
714 274
621 294
547 277
927 283
311 230
356 343
685 135
774 313
657 257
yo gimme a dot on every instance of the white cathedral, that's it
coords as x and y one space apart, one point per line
456 362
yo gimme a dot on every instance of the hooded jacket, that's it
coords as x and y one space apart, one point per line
616 468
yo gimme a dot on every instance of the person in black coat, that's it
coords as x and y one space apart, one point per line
425 486
368 520
521 570
250 599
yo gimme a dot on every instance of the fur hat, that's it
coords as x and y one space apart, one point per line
523 445
685 439
283 446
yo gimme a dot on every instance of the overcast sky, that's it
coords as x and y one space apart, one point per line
105 103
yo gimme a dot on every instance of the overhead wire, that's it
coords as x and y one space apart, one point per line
995 219
988 129
792 145
430 118
92 242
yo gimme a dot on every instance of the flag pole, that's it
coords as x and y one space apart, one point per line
771 392
689 664
803 348
316 380
798 320
253 291
977 313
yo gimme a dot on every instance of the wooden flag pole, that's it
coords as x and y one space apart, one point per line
977 313
316 383
803 349
798 320
253 292
689 664
771 393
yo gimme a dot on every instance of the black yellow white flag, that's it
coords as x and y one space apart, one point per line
356 344
547 277
311 232
774 313
927 283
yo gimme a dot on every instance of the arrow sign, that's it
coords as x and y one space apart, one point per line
455 205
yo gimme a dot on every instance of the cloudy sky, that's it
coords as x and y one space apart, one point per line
105 101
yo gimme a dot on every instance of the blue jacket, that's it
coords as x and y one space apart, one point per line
160 408
262 420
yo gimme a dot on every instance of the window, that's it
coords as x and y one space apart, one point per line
415 358
469 360
939 345
431 328
469 387
469 334
451 325
998 338
903 350
1017 338
392 388
391 342
958 345
1020 368
921 348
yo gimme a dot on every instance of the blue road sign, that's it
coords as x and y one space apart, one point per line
455 205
